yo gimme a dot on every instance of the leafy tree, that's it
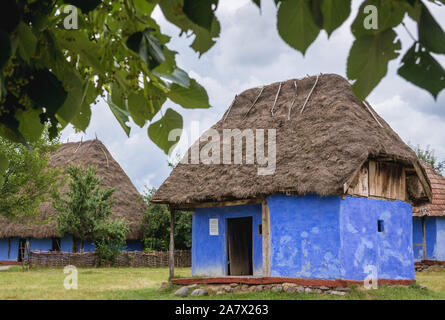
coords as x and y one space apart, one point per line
428 156
155 226
85 211
28 181
118 51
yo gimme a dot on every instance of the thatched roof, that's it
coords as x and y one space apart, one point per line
318 150
437 206
128 204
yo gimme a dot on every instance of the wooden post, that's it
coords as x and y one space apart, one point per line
266 238
172 243
423 239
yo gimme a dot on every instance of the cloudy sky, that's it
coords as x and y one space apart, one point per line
250 53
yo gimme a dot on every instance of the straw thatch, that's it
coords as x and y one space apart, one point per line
318 149
128 206
437 206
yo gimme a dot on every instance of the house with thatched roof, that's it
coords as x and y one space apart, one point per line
333 204
44 236
429 219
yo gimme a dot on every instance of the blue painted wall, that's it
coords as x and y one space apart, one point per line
13 250
209 256
389 252
304 236
417 238
434 238
316 237
66 245
41 244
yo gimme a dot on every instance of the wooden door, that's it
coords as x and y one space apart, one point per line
239 246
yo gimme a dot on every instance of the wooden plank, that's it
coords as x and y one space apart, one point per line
217 204
423 239
266 238
360 185
352 178
387 180
371 178
423 181
172 244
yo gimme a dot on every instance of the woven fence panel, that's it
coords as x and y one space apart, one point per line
157 259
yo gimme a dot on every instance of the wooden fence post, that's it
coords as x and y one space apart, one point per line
172 243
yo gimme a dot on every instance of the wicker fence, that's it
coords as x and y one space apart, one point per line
183 258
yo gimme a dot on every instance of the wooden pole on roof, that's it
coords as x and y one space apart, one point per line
172 243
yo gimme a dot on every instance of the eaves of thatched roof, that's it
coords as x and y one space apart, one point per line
128 202
317 149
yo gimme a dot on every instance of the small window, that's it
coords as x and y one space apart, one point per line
260 229
380 226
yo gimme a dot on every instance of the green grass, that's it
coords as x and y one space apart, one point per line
142 283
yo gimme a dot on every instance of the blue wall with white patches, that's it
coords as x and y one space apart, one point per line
209 254
316 237
304 236
365 250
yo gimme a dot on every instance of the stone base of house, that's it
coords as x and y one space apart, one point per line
250 280
14 263
425 265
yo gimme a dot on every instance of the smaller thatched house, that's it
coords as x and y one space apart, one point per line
129 205
334 206
429 220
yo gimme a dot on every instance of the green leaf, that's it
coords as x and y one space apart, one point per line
27 41
147 47
193 97
118 96
29 124
5 48
200 11
389 15
77 42
258 3
368 60
144 108
334 14
159 131
156 97
431 35
76 92
204 39
82 119
421 69
178 76
169 64
47 91
84 5
296 24
121 115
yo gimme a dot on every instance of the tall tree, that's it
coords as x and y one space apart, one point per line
28 180
86 211
155 225
428 156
